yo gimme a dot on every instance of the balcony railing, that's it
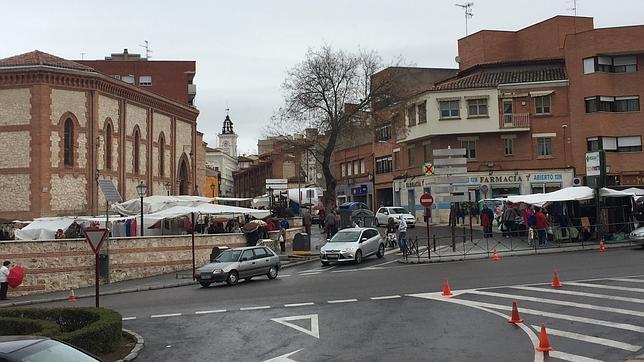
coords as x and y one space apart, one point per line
516 120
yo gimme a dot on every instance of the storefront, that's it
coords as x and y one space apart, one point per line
360 192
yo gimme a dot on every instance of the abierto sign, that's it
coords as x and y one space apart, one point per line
593 164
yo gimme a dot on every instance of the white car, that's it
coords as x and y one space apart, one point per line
352 244
384 213
638 235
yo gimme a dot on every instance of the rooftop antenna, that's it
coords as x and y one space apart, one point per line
467 8
83 56
574 7
147 49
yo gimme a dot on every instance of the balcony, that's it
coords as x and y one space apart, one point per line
515 120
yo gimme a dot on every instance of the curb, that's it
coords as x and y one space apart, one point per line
137 348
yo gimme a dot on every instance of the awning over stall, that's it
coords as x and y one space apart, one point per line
152 204
566 194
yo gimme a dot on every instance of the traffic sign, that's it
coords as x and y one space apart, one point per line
484 189
450 179
448 170
450 161
95 238
449 152
428 169
426 200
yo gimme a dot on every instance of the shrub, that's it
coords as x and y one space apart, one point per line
95 330
23 326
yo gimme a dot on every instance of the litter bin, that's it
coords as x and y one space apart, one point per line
103 265
302 243
216 251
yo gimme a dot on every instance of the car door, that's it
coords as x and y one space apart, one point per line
262 261
368 245
247 263
380 215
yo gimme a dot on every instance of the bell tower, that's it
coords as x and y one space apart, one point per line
227 137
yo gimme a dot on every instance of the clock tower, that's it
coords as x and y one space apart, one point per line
228 138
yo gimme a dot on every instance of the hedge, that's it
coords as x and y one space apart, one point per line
24 326
96 330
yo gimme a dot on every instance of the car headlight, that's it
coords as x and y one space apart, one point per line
218 271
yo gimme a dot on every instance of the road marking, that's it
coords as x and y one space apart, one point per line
601 286
307 274
342 301
559 302
284 275
128 318
255 308
386 297
284 357
389 262
165 315
625 326
627 280
572 357
314 331
581 294
299 304
210 311
592 339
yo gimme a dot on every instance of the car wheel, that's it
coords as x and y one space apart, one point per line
272 272
358 257
205 284
381 251
233 278
325 263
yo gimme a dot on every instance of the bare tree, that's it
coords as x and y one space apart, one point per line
331 91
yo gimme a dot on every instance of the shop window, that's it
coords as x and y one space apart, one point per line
68 143
542 188
544 147
450 109
477 108
542 105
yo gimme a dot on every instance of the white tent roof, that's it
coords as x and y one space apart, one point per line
152 204
44 228
566 194
634 191
207 209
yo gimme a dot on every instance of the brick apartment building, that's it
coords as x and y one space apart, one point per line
63 124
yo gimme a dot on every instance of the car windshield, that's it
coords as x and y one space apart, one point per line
228 256
49 350
346 237
399 210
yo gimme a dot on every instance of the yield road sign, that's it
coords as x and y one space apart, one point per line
95 238
314 331
428 169
426 200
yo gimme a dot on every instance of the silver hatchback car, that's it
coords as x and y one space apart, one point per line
240 263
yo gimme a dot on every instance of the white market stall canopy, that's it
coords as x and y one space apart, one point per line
205 209
293 195
153 204
45 228
233 199
634 191
566 194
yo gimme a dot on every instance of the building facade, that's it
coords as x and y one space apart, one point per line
67 125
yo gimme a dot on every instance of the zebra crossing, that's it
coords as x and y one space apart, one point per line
586 320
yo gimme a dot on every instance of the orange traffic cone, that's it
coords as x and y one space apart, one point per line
72 297
446 291
495 256
555 281
544 344
602 248
515 318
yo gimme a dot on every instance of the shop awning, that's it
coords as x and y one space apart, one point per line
152 204
566 194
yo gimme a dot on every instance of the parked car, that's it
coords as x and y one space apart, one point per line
638 235
40 349
353 244
240 263
384 213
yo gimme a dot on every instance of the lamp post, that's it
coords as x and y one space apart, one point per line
167 186
212 188
142 190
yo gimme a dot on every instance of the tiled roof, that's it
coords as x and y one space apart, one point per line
503 74
41 58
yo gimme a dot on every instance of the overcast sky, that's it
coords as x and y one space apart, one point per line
243 48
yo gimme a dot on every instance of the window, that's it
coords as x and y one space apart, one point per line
356 167
629 144
593 144
615 144
607 64
161 155
477 108
422 113
343 169
129 79
349 168
108 146
470 149
145 80
383 133
627 104
508 146
410 157
68 143
362 168
612 104
542 104
427 153
137 146
383 164
397 160
544 147
450 109
411 115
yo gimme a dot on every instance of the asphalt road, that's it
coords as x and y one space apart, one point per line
384 310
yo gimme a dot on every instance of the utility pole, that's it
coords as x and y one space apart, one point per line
467 8
147 49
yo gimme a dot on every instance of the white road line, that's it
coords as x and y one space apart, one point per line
210 311
165 315
255 308
612 287
342 301
386 297
299 304
581 294
627 280
389 262
307 274
560 302
284 275
625 326
572 357
346 270
128 318
592 339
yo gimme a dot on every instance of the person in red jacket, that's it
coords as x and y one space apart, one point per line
541 224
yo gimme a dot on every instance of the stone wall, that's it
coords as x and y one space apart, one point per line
63 101
15 106
15 193
55 265
68 192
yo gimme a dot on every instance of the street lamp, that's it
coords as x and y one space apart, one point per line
167 186
142 190
212 188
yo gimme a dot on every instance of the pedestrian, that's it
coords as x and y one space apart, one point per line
391 232
330 225
486 221
402 234
322 216
541 223
460 214
508 218
282 239
4 274
307 221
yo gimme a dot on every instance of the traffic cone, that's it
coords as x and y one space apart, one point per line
72 297
555 281
446 291
544 344
515 318
495 256
602 248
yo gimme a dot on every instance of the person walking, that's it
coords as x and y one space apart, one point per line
509 218
486 221
541 223
322 216
391 232
330 225
402 234
4 274
307 221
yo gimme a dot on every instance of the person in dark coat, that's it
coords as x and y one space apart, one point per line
486 221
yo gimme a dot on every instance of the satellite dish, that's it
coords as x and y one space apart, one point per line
457 59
